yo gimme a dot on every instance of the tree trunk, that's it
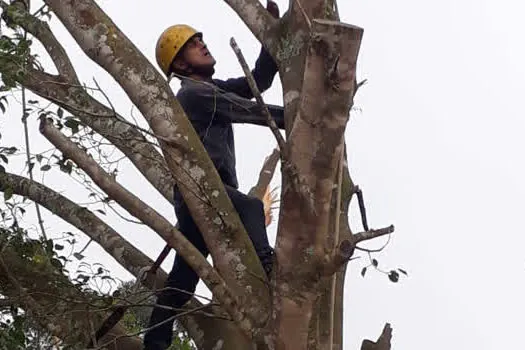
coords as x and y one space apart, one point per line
317 57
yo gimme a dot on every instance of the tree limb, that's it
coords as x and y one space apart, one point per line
196 176
371 234
151 218
103 120
121 250
258 97
259 21
40 30
346 248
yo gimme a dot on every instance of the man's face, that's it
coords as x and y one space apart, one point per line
196 58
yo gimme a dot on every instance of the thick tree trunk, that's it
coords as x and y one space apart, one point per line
315 142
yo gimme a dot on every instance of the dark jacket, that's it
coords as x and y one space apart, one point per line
212 107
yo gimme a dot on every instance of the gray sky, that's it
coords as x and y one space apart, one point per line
436 150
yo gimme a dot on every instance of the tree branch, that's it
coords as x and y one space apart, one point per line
371 234
346 248
105 121
40 30
151 218
121 250
259 21
196 176
258 97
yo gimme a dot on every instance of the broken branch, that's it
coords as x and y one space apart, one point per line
265 175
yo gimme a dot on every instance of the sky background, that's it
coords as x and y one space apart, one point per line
436 148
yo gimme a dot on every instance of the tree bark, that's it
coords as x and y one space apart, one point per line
315 142
186 157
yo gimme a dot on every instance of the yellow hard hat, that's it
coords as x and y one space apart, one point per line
170 42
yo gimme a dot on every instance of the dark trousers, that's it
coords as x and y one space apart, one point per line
182 280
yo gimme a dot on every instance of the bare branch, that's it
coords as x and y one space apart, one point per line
151 218
346 248
103 120
40 30
258 97
371 234
258 20
121 250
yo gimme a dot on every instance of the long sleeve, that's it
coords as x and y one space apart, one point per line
204 103
263 73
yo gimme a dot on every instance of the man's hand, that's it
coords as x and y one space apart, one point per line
273 8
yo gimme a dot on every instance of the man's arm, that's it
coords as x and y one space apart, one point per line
206 103
264 72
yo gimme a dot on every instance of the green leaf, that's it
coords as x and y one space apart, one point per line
59 247
8 193
66 167
78 256
363 271
375 263
45 167
60 112
101 211
39 158
403 272
4 158
393 276
73 124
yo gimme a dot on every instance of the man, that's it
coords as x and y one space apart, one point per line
212 106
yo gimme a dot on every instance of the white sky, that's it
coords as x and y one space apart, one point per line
436 150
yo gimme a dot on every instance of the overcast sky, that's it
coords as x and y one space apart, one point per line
436 148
